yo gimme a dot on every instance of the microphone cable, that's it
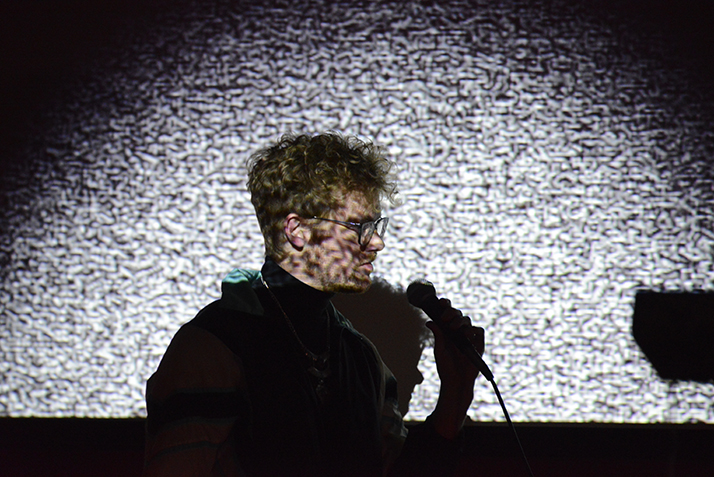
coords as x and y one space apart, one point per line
510 423
422 294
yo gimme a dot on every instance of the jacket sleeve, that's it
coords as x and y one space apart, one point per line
194 400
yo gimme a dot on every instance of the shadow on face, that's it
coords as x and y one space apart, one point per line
397 329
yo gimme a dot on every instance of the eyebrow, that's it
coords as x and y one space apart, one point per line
365 219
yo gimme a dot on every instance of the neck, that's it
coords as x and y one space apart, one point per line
304 306
296 267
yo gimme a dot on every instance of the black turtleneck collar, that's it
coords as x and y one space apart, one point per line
305 306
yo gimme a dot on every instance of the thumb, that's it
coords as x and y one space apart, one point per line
438 333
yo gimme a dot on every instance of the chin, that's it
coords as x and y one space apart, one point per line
355 286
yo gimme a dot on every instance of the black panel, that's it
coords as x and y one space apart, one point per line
676 332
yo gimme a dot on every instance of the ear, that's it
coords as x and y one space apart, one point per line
295 231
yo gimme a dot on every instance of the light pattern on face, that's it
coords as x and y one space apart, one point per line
333 260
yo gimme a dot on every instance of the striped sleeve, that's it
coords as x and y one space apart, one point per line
194 400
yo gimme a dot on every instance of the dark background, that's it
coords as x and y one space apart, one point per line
98 447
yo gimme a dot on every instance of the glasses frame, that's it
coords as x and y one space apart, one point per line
360 227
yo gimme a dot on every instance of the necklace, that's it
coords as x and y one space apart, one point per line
320 363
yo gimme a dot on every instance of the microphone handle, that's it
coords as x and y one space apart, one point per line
433 309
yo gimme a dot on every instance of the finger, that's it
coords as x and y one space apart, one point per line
449 313
439 338
456 321
462 325
434 327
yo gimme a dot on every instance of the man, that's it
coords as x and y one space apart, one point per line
270 379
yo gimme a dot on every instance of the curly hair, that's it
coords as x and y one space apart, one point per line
306 175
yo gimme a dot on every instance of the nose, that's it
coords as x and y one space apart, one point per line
375 243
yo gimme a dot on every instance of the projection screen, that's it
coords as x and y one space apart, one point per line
552 161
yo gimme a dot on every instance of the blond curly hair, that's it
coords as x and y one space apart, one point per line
308 175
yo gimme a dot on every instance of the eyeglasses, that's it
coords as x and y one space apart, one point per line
365 230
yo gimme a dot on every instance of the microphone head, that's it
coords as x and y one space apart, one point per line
418 291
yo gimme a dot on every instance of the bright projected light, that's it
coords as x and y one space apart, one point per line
549 168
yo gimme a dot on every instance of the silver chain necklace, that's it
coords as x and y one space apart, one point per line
320 367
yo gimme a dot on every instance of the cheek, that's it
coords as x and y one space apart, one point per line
341 249
331 254
341 257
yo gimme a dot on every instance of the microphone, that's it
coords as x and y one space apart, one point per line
422 294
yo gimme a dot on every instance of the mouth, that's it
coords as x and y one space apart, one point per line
368 267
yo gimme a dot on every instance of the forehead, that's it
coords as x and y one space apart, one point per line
356 207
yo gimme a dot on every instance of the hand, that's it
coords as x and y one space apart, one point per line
456 371
452 365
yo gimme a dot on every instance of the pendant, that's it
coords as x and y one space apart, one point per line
322 391
321 370
319 373
320 366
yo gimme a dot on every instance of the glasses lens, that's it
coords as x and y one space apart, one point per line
367 233
368 229
381 225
